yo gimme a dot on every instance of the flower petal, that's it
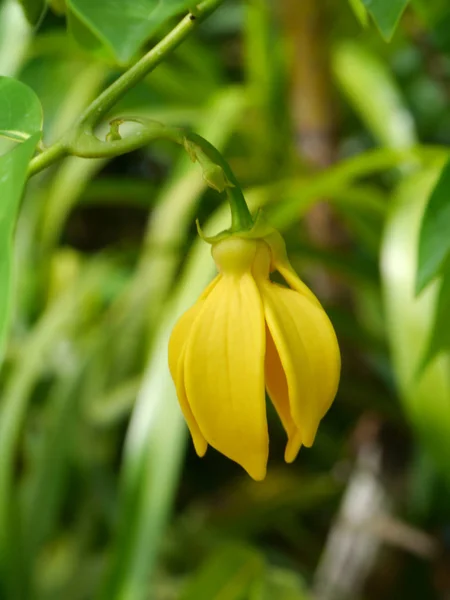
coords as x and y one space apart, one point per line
294 282
277 389
179 336
280 263
183 326
200 444
224 372
177 344
309 353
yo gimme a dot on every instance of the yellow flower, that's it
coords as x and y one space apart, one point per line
246 335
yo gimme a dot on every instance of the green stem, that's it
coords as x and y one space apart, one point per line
46 158
216 171
101 105
241 218
147 63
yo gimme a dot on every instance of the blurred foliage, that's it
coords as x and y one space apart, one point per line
343 138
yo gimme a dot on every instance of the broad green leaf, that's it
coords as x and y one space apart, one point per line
425 393
228 574
360 11
20 110
374 94
386 14
33 9
122 25
13 172
434 240
87 38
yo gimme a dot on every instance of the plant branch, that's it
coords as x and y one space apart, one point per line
107 99
147 63
216 171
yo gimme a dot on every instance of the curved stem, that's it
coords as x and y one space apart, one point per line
107 99
46 158
241 218
216 171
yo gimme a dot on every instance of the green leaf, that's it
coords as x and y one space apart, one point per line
21 120
33 9
425 393
386 14
124 26
20 110
86 38
360 11
67 310
13 172
434 240
374 93
48 467
228 574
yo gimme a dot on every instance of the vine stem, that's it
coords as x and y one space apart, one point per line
216 170
107 99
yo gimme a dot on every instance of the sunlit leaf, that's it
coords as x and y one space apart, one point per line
374 94
125 26
425 393
13 170
386 14
20 110
360 11
15 36
434 241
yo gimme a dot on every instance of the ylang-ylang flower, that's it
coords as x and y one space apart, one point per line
246 336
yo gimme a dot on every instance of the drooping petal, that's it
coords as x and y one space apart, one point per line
277 389
200 444
179 336
294 282
177 344
183 326
280 263
309 353
224 373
